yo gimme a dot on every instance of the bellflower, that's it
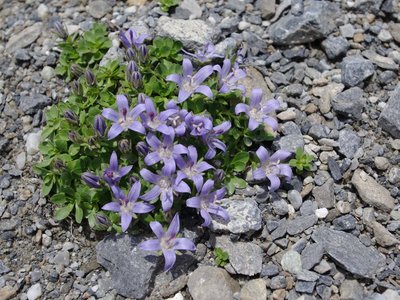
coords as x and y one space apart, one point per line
212 141
99 125
165 151
175 121
91 180
114 173
228 79
188 83
154 121
127 206
271 167
131 38
167 242
205 201
165 185
205 53
258 110
123 119
198 125
190 168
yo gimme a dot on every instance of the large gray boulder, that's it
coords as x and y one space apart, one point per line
389 119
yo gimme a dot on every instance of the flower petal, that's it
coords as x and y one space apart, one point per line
205 90
152 194
175 78
253 124
206 216
184 244
182 187
124 170
270 105
255 97
134 192
286 171
262 154
114 161
198 181
137 127
169 165
259 174
280 155
110 114
207 187
114 131
183 95
271 122
122 103
157 228
187 67
274 182
150 245
152 158
170 258
204 166
173 228
112 206
137 110
219 211
149 176
126 219
142 208
153 141
241 107
194 202
202 74
167 199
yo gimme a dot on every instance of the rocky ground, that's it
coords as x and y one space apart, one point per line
332 233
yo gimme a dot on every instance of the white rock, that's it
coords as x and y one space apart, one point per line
321 213
34 292
130 10
33 142
47 73
291 262
71 29
20 160
385 36
42 11
177 297
243 25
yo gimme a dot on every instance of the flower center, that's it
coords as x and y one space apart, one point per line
164 151
166 243
188 85
174 121
271 167
190 171
256 113
125 121
127 207
164 183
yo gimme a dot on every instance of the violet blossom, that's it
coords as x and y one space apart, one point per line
91 180
228 79
205 201
165 185
154 121
188 83
191 168
198 125
165 151
271 168
167 242
131 38
123 119
205 53
175 121
127 206
258 110
114 173
212 141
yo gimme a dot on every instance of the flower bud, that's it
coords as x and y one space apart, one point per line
74 137
124 146
76 87
136 80
99 125
60 30
133 179
219 175
144 52
90 79
91 180
131 54
132 67
141 98
142 148
76 70
59 165
102 222
71 117
92 141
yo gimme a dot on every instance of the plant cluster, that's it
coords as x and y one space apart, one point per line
302 161
166 5
138 140
221 257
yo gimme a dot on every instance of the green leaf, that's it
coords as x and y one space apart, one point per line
78 214
59 198
239 161
63 212
74 149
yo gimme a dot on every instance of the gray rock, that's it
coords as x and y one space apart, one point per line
192 33
132 270
34 292
306 275
389 119
318 131
267 8
255 289
245 258
245 217
349 103
33 142
269 270
295 199
9 224
347 31
280 207
351 289
290 142
291 262
114 53
315 23
312 255
346 222
301 223
334 167
3 268
62 258
22 55
349 142
305 286
31 104
372 192
24 38
386 77
278 282
325 195
335 47
193 7
98 8
394 175
383 62
383 236
356 69
348 252
280 231
236 5
308 208
212 283
47 73
367 5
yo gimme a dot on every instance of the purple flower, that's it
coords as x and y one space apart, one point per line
212 141
114 173
131 38
165 185
205 54
154 121
91 180
127 206
123 119
175 121
198 125
271 167
99 125
228 79
165 151
190 84
190 168
167 242
258 110
205 202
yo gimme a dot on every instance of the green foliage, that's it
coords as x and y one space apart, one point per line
221 257
302 161
166 5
